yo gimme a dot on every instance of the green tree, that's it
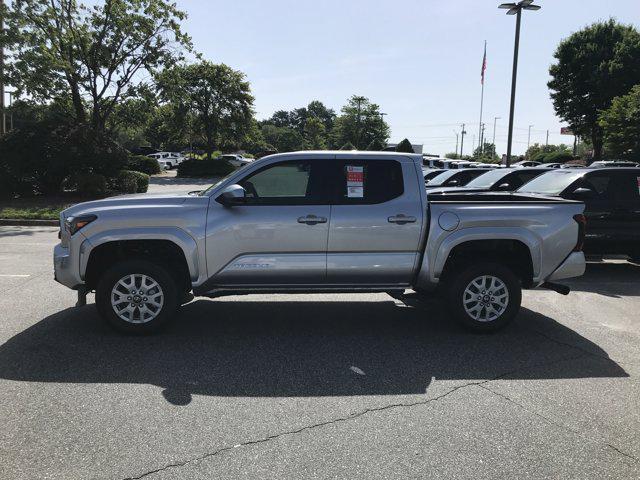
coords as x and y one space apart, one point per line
284 139
91 54
486 153
359 124
218 97
376 145
315 134
348 146
621 125
594 65
452 155
405 146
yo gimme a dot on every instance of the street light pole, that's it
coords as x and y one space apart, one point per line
515 9
456 134
3 119
462 134
494 134
529 137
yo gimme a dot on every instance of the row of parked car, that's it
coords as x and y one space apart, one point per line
611 195
169 160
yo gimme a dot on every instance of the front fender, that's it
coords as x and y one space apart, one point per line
182 239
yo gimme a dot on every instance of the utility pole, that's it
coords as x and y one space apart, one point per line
529 137
547 142
482 127
358 101
463 133
515 9
3 118
11 109
456 134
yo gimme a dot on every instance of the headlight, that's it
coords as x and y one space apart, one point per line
73 224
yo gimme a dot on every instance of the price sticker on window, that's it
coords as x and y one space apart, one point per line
355 181
638 180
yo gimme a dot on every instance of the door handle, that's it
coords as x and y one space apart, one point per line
401 219
312 220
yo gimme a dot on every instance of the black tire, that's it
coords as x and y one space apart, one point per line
461 279
157 273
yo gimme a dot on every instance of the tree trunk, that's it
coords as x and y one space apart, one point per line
596 140
81 115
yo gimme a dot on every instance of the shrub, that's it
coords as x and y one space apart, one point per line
405 146
204 168
376 145
41 156
90 184
140 163
129 181
557 157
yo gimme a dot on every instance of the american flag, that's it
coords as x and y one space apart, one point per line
484 64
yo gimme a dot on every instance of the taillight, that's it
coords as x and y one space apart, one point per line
582 225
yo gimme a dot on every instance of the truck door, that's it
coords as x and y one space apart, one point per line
376 220
279 235
626 211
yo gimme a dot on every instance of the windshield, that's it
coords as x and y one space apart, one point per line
206 192
488 179
551 183
442 177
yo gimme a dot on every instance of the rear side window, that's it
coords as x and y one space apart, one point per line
626 185
366 182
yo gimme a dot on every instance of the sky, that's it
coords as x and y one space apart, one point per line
420 60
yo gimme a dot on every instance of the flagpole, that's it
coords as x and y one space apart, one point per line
484 60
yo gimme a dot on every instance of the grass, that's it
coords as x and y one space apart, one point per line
36 208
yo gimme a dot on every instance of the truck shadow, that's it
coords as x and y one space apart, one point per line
306 348
611 279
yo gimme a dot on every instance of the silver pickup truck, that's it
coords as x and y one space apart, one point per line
318 222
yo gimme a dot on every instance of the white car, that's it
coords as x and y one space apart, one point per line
236 160
168 160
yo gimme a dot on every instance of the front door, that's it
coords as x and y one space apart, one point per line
279 235
376 221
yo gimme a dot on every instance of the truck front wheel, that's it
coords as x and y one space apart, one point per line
484 297
136 296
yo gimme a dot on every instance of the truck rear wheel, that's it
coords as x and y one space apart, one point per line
136 296
484 297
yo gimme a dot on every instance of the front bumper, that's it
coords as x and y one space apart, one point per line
573 266
66 271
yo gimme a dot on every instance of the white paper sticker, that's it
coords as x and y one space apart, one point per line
638 180
355 181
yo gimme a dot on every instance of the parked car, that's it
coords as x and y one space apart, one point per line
317 222
502 180
612 205
455 178
168 160
526 163
550 165
613 163
236 160
429 174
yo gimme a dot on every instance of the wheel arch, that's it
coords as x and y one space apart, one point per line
175 248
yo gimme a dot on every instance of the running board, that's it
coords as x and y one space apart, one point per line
222 292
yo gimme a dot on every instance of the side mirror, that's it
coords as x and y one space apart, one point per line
583 193
232 195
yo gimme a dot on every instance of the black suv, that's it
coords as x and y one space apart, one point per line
612 205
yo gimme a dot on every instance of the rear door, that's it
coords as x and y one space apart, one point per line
625 216
376 220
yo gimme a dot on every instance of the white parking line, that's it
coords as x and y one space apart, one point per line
15 276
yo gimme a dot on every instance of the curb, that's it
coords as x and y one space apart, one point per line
25 222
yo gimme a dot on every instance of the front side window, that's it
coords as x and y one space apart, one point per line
366 181
286 183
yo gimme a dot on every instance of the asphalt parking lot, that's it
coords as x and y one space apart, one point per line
317 386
